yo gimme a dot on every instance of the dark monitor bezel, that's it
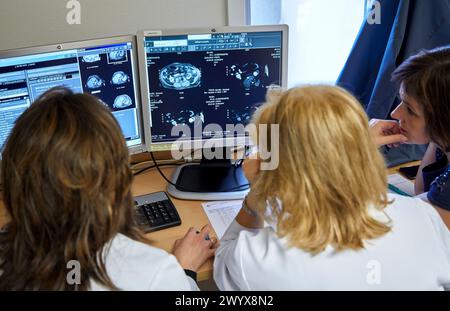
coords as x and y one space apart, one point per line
221 142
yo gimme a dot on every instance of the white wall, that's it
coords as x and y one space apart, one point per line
265 12
321 35
39 22
239 12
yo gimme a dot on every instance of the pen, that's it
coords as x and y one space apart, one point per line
397 190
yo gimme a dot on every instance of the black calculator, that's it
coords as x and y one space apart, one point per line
155 211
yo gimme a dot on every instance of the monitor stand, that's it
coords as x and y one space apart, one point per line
209 180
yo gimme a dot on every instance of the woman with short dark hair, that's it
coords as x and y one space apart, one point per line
424 118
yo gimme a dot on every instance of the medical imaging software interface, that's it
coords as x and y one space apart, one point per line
103 71
209 79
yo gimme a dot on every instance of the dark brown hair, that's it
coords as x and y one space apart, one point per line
426 78
67 188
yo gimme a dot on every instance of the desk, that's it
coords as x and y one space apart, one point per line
191 213
395 169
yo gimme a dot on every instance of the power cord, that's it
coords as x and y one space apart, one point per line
153 166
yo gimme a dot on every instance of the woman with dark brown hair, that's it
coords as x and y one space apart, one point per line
67 189
423 118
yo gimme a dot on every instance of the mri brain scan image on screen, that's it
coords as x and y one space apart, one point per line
122 101
180 76
95 82
117 56
183 117
91 58
251 74
119 78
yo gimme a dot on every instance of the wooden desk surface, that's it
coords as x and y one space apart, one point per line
394 169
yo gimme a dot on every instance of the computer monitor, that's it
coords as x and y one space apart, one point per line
209 76
105 68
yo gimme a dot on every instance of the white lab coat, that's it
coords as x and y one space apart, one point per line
132 265
415 255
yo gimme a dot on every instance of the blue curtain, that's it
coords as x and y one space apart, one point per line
406 27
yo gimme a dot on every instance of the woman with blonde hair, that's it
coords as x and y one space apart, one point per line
67 189
322 220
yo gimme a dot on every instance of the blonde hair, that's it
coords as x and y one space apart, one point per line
329 171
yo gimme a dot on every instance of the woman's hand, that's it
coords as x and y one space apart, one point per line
386 132
195 248
251 167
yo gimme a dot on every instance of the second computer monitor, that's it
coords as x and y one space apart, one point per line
105 68
207 76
